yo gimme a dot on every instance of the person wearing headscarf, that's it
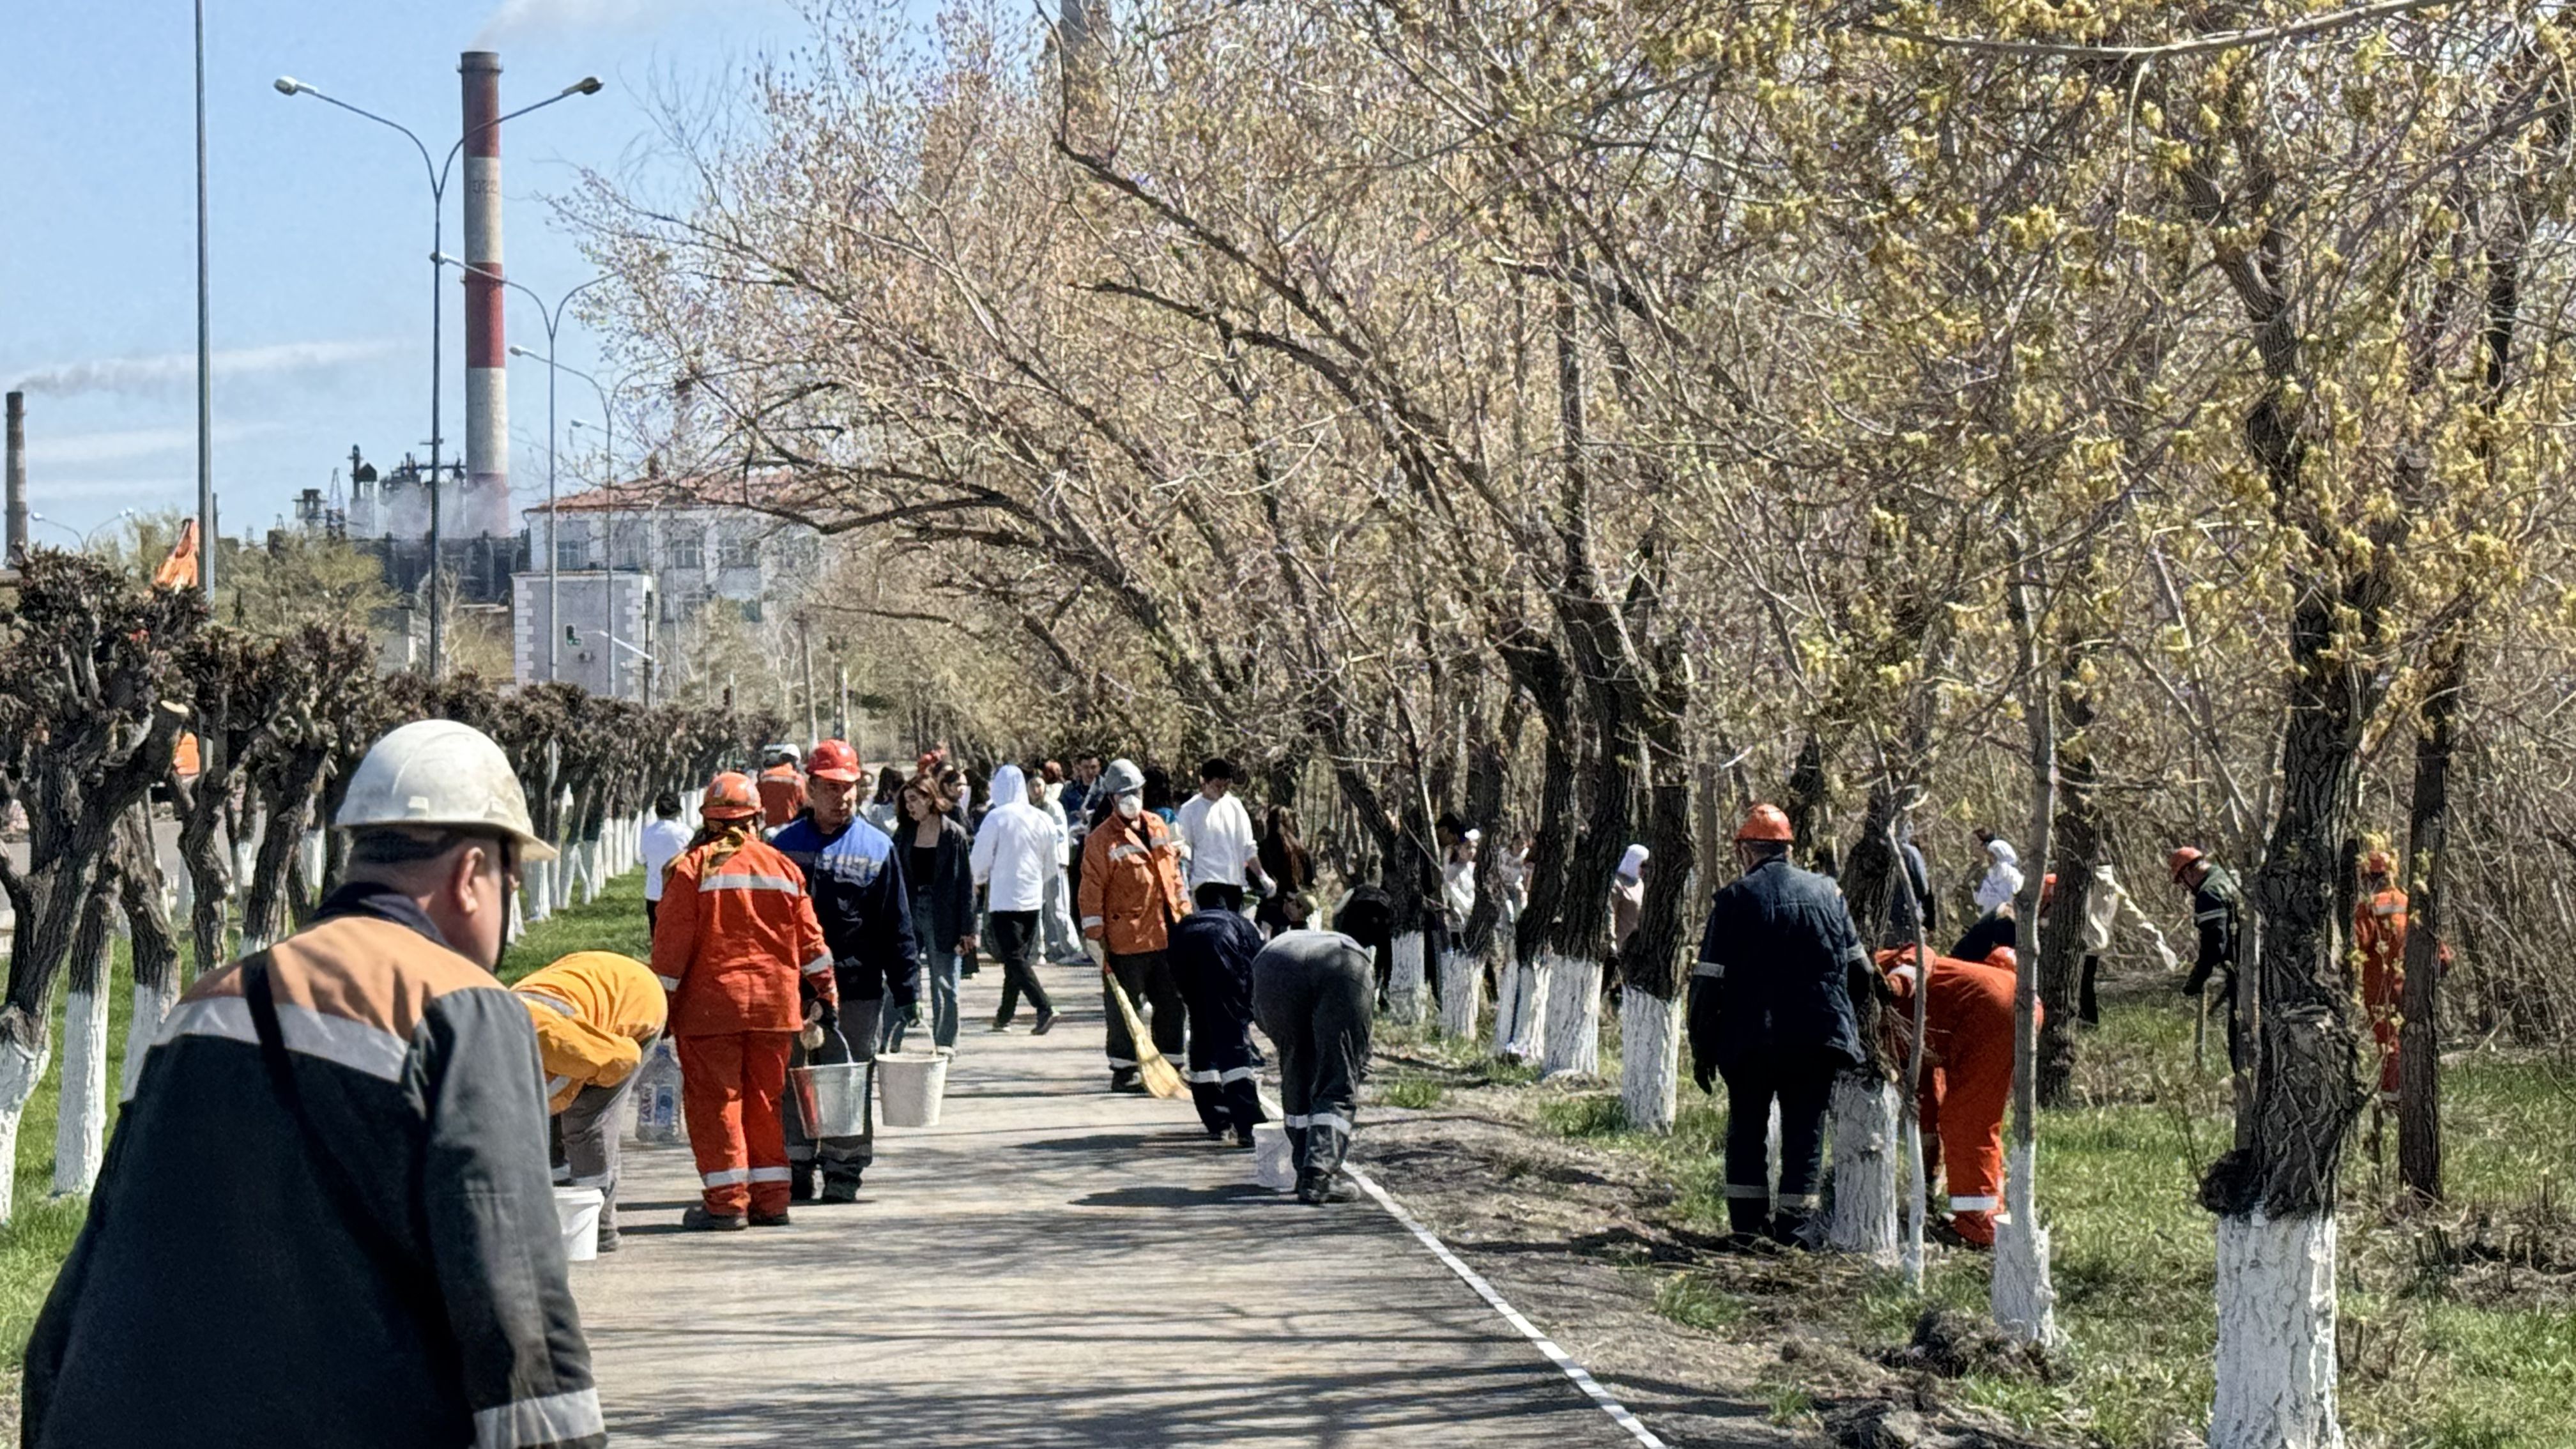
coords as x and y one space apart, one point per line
1627 896
1994 896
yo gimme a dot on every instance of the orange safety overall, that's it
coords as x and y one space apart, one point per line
2379 933
737 946
1967 1079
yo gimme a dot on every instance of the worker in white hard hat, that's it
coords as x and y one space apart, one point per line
327 1218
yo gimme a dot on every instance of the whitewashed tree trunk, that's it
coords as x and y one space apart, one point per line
21 1068
316 855
1650 1059
2276 1334
143 1028
2025 1303
80 1122
589 871
1462 993
1508 984
1867 1157
1529 1029
1404 983
539 895
1573 1019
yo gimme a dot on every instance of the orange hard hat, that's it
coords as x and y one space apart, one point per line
2181 860
2048 888
2379 862
833 760
729 797
2005 957
1765 822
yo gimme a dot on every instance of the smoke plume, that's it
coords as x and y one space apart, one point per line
170 370
515 20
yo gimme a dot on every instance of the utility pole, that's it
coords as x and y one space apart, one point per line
805 637
205 358
843 730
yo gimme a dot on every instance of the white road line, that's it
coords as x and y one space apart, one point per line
1564 1361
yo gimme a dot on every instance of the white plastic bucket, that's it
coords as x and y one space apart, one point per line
1272 1164
909 1087
579 1207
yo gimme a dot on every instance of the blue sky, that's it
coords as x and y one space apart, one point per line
320 226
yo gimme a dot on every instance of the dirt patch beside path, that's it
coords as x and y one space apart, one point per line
1713 1349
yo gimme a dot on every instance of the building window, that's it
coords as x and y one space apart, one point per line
571 553
739 552
688 551
630 555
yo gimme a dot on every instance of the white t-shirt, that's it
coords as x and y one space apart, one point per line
1014 854
1219 836
663 842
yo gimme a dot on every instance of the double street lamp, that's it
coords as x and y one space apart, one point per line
553 318
439 174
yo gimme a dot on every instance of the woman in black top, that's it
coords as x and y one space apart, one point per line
1292 874
937 871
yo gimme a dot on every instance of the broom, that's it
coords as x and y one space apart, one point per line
1160 1076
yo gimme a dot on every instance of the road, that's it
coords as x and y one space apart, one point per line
1054 1266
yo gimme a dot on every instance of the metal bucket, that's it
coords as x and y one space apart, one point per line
832 1101
914 1085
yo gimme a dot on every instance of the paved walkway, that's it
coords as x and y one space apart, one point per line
1053 1265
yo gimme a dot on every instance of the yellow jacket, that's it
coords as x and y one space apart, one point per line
594 1011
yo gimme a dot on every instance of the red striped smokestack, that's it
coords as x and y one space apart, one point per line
486 503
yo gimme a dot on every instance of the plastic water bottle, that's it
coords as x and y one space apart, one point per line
657 1097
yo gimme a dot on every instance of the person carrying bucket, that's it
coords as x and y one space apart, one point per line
596 1013
856 877
1311 992
739 949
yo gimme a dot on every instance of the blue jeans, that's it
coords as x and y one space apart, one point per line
939 965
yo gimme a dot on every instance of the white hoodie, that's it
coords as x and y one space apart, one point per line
1015 851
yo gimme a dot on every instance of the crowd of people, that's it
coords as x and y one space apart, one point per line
370 1080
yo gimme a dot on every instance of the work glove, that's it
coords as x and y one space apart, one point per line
1097 950
912 1013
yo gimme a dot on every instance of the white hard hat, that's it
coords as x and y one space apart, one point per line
1122 778
436 772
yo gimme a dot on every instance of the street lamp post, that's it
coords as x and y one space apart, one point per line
608 537
205 356
553 318
439 174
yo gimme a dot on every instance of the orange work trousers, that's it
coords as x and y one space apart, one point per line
1963 1132
730 1085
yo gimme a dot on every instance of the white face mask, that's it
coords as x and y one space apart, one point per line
1130 806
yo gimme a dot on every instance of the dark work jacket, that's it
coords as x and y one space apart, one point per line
1778 963
220 1295
856 879
951 884
2215 910
1994 928
1211 956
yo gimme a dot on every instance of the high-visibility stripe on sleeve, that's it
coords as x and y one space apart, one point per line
819 964
1090 921
2218 913
746 881
552 1002
555 1419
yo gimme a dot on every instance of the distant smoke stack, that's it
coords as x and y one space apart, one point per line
17 477
485 504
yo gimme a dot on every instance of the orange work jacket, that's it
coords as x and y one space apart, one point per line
735 938
593 1011
782 795
1131 884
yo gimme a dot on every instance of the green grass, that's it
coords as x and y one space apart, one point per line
34 1244
2428 1363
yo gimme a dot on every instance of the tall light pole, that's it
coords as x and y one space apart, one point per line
608 535
439 175
205 355
553 318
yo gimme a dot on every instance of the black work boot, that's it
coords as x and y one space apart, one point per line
1125 1079
778 1219
1316 1188
1749 1221
800 1182
1046 1022
699 1220
841 1189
